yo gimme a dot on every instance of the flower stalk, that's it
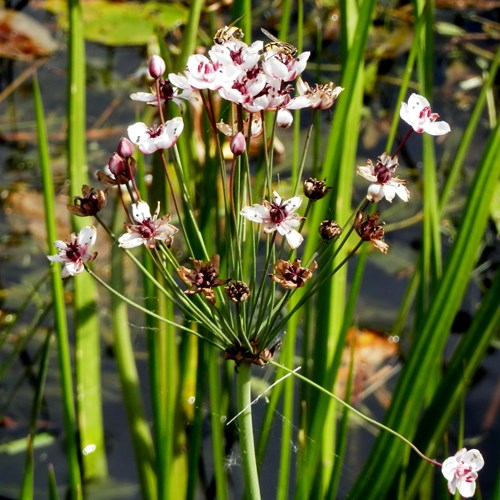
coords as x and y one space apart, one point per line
247 442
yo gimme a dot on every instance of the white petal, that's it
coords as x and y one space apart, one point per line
403 192
170 133
87 236
143 97
376 192
73 268
255 213
141 211
466 488
449 468
436 128
416 102
57 258
292 204
137 132
405 114
276 198
61 245
130 240
179 81
366 172
294 238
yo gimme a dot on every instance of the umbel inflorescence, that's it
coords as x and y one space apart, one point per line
254 80
237 287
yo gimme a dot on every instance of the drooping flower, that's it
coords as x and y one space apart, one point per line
91 203
75 251
203 278
148 229
372 230
460 471
384 185
418 114
151 139
278 215
292 275
318 97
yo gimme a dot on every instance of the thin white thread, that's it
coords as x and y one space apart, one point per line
267 390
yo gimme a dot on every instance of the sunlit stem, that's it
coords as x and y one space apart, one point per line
244 398
371 421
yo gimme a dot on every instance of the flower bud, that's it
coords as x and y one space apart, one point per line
314 189
284 118
125 148
116 164
238 144
329 230
238 291
157 67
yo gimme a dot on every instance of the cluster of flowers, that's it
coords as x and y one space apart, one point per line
256 78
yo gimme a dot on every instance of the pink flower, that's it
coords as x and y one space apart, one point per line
151 139
460 471
148 229
381 175
284 67
278 216
418 114
74 252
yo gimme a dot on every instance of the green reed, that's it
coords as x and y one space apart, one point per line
204 350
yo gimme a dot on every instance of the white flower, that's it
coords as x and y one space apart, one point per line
461 471
384 185
151 139
418 114
284 67
148 229
278 216
74 252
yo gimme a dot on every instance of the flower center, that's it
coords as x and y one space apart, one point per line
75 251
147 228
205 277
155 131
277 213
382 173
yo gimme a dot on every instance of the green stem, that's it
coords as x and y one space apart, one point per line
371 421
244 398
60 324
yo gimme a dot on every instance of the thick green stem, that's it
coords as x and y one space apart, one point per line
244 397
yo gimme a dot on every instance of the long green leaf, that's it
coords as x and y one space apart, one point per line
412 386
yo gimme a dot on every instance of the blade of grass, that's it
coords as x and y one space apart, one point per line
28 476
88 359
61 327
465 362
338 169
412 386
129 379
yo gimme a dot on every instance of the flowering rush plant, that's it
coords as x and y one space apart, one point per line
229 254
